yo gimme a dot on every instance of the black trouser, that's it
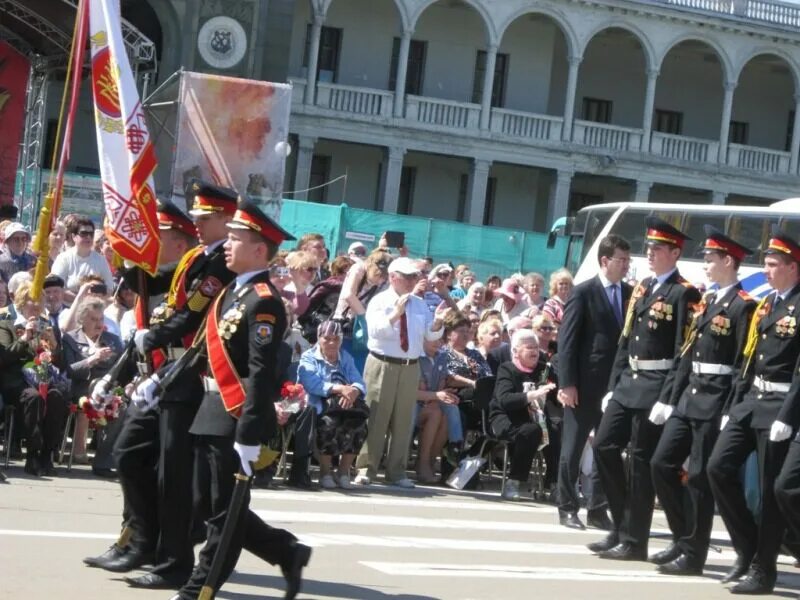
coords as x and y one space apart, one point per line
44 420
631 497
552 452
216 459
755 539
136 452
787 490
575 429
690 509
174 554
524 440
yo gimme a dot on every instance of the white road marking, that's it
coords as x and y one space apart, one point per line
60 534
510 572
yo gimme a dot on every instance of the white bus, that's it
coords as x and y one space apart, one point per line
747 224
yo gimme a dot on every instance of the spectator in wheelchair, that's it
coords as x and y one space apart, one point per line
336 390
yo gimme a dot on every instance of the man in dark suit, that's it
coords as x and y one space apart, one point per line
652 335
587 343
244 332
756 422
709 361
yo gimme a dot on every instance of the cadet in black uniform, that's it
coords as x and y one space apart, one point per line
771 362
658 315
243 335
710 359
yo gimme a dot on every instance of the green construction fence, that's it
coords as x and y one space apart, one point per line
488 250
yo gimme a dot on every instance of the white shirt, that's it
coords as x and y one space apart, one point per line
72 268
211 247
720 293
245 277
662 278
384 336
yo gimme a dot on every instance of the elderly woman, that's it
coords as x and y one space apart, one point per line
490 336
518 394
545 329
44 410
89 353
534 288
474 300
510 300
336 390
560 289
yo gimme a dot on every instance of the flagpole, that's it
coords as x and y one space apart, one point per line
52 201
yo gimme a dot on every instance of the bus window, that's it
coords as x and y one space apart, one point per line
587 226
630 225
791 227
693 227
752 231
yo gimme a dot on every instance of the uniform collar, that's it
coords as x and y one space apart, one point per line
213 246
245 277
663 277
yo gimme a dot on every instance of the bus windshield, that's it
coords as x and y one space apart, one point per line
587 226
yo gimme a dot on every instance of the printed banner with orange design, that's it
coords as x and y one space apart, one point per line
127 157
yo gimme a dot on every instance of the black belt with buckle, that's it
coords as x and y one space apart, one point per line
394 361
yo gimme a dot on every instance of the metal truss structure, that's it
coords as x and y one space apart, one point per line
141 52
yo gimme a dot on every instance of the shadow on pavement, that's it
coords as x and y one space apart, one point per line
330 589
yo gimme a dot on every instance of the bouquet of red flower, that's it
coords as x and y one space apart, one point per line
99 416
40 372
293 400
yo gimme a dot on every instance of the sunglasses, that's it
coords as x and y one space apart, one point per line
546 328
443 274
86 233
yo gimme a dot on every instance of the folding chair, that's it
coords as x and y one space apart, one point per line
484 388
65 439
8 433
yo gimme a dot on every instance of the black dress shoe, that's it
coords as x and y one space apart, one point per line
680 566
624 551
757 582
739 568
598 519
668 554
32 466
104 473
46 466
113 553
152 581
131 560
611 540
570 520
293 570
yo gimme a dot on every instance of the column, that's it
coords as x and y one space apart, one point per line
476 190
313 58
402 73
558 202
569 102
718 198
302 173
642 191
795 148
725 124
488 86
649 101
390 179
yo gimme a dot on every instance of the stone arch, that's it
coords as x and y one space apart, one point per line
794 69
722 55
644 41
558 18
491 31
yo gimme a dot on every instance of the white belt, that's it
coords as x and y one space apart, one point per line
210 384
770 386
711 369
650 365
175 353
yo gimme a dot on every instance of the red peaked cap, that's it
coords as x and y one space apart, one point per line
172 217
780 243
661 232
716 241
248 215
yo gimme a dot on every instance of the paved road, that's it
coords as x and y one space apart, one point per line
372 544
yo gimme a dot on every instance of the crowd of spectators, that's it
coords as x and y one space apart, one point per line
502 330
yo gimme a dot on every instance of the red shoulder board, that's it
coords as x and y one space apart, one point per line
685 283
746 297
262 289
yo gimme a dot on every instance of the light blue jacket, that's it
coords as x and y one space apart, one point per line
314 373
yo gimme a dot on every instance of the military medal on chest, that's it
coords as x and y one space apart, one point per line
659 311
230 320
721 325
787 326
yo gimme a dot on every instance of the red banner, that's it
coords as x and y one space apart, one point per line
14 73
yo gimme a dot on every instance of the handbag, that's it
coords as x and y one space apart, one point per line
467 469
360 335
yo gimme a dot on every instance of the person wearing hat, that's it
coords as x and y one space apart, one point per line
81 260
653 332
510 300
357 251
710 358
244 331
398 321
158 501
53 302
759 418
437 290
15 256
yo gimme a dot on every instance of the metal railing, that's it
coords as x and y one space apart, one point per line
524 125
764 11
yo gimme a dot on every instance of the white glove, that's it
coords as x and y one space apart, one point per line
658 415
145 397
604 401
723 422
247 455
138 339
100 391
779 432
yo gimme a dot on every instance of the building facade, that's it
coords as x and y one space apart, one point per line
515 112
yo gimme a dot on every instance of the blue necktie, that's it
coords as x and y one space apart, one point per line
615 304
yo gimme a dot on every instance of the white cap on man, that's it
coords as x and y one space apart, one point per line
404 266
357 249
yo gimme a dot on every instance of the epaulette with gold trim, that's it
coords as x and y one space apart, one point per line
746 297
263 291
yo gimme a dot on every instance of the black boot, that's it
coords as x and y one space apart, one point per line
32 466
299 477
46 466
453 452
